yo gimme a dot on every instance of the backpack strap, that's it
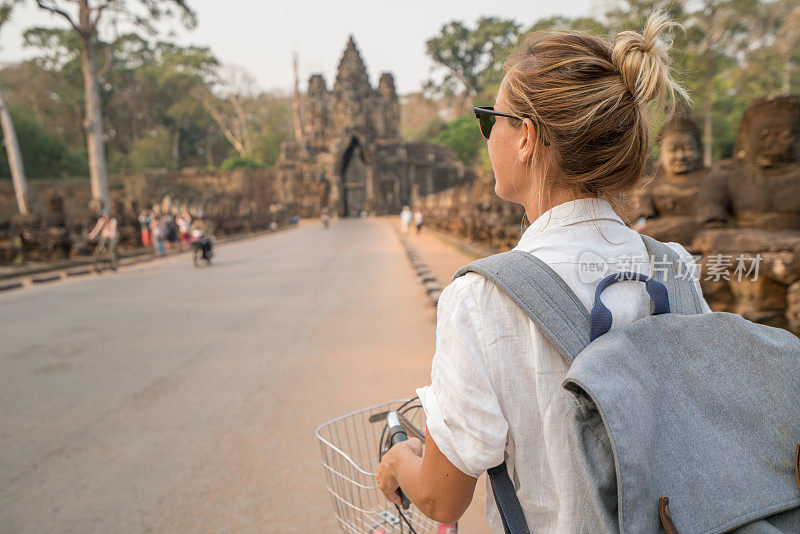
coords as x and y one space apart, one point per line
543 295
508 504
683 298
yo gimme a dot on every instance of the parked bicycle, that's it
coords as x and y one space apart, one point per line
352 447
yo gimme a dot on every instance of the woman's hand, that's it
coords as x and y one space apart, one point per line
387 479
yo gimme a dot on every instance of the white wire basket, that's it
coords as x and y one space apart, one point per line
350 447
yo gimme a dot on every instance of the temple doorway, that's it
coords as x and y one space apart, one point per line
354 180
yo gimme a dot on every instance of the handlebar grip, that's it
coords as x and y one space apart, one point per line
397 434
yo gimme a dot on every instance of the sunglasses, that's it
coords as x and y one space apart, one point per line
486 118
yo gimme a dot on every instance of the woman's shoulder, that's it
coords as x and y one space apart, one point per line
469 286
684 254
460 293
479 297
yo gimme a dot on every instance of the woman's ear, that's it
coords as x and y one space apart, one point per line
527 140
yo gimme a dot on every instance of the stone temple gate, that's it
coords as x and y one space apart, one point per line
352 157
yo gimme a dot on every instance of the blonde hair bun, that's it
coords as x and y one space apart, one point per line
644 63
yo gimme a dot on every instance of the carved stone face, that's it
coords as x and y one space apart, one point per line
679 153
773 139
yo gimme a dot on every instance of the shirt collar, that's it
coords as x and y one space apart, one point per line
572 212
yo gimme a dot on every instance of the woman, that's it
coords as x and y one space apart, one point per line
144 220
184 222
567 138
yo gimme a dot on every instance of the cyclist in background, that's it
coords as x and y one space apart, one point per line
202 232
106 229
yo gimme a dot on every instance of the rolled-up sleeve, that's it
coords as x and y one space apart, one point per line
463 413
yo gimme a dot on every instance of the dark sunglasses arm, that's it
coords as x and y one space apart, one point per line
489 111
486 111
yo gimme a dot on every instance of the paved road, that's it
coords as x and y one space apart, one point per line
168 398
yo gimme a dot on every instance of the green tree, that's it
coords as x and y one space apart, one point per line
83 18
469 56
587 24
430 130
54 96
463 136
633 14
13 152
241 162
254 123
144 89
46 155
775 41
717 31
153 151
155 92
272 126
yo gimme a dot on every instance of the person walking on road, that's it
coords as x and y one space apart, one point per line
144 222
184 222
158 232
405 220
171 232
419 219
106 230
567 138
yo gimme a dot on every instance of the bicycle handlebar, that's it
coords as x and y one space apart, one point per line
397 434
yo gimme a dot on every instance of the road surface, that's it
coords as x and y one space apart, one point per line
168 398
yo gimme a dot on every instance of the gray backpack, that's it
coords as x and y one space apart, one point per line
683 421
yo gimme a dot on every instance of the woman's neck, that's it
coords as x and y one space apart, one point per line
559 196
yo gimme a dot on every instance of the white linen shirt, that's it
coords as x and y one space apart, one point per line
495 390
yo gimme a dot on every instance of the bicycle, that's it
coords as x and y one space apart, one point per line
101 259
352 447
201 248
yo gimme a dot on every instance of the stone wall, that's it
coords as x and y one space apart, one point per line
236 201
75 193
473 211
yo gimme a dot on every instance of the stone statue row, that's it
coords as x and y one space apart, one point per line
759 187
743 213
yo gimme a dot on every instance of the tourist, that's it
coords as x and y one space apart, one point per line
418 220
158 233
405 220
106 230
326 217
144 222
203 234
171 230
184 221
567 138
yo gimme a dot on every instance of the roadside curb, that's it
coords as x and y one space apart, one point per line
77 268
424 276
9 286
46 278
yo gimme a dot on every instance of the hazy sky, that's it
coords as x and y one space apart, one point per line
260 35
